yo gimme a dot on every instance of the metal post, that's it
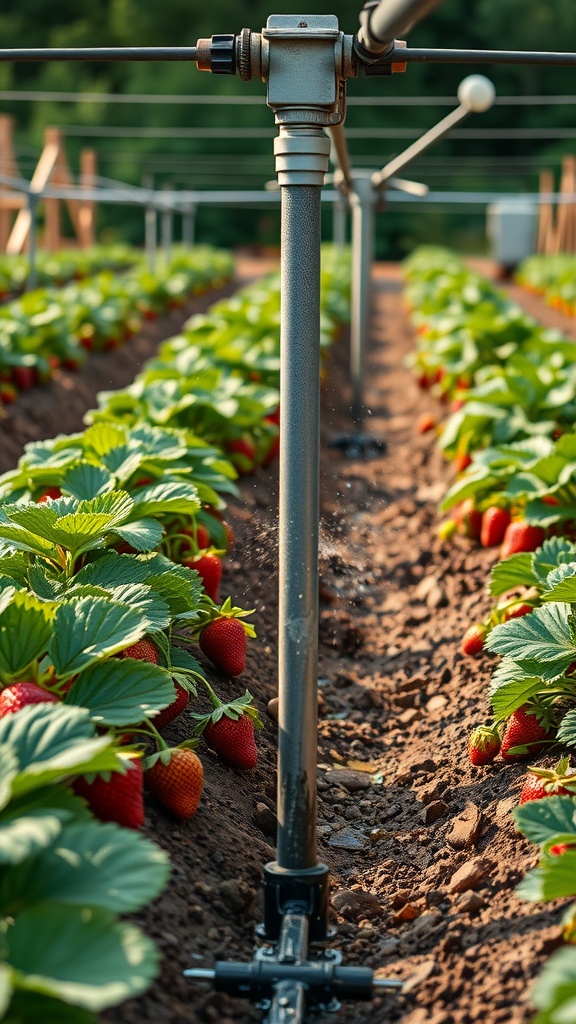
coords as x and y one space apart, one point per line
339 212
32 277
150 225
189 225
167 225
362 200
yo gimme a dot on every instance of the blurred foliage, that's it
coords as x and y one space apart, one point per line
238 160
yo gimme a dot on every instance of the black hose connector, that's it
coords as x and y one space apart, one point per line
217 54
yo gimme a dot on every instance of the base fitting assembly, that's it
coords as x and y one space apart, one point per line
286 979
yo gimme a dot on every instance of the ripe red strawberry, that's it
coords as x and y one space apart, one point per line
518 612
233 741
143 650
23 377
524 730
50 492
20 695
483 745
469 519
520 536
495 521
473 640
224 642
274 444
274 417
209 567
462 461
543 782
119 798
425 422
168 714
456 404
423 381
177 781
559 848
243 447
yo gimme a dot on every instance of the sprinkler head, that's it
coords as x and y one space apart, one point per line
476 93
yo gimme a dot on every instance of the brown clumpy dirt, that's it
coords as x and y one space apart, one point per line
422 849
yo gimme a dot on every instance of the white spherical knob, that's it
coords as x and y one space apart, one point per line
476 93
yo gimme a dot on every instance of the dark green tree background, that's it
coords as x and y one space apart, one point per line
235 160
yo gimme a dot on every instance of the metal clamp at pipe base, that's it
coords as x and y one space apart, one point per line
302 156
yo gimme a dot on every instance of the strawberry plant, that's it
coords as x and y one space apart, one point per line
551 824
67 877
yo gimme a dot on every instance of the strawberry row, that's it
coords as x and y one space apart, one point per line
110 560
517 494
48 328
54 269
554 278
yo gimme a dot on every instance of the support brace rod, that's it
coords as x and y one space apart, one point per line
382 22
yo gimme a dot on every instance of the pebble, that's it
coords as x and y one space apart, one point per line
409 716
469 903
466 827
265 819
355 904
350 780
345 839
469 875
436 702
432 812
436 598
419 976
353 813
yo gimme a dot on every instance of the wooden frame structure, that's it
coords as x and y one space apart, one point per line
557 227
52 169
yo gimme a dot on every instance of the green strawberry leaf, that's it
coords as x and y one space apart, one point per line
122 691
545 637
554 551
553 879
548 821
86 481
144 535
88 864
8 772
15 567
52 742
173 497
83 957
112 570
146 600
25 631
33 1006
555 990
44 584
33 822
102 438
561 584
511 687
91 629
567 730
513 572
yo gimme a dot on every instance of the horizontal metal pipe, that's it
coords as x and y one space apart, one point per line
389 19
101 53
441 56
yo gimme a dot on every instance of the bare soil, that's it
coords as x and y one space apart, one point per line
422 849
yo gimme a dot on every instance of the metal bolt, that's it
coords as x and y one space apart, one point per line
302 24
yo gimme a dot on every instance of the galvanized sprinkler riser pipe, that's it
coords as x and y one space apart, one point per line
301 162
